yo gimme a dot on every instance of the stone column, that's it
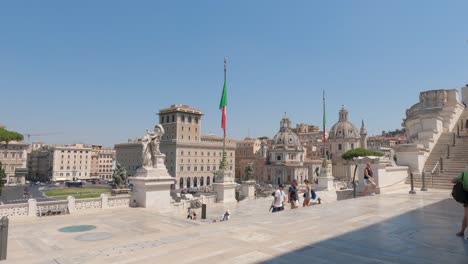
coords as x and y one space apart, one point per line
71 204
104 201
325 180
224 187
152 186
248 189
32 208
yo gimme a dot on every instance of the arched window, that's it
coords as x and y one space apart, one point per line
195 182
188 182
208 180
201 181
181 183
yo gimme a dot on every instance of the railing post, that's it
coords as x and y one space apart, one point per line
32 207
203 211
453 140
458 130
441 167
448 151
423 178
3 237
412 191
71 204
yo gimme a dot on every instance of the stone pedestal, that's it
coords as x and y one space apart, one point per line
224 187
412 155
151 188
248 189
325 180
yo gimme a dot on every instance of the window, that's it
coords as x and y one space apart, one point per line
162 119
189 153
188 168
190 119
182 118
167 119
181 152
352 145
173 118
196 120
339 147
181 160
181 168
195 168
214 167
208 168
278 157
201 168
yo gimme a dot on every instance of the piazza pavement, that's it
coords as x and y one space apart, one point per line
394 227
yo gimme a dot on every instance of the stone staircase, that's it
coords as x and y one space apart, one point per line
454 159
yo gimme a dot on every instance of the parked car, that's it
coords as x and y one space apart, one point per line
74 184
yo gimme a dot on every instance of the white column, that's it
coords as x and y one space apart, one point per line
32 207
71 204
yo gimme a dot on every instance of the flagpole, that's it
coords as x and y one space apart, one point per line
324 136
223 165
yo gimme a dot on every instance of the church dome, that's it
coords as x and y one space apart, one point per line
286 138
343 129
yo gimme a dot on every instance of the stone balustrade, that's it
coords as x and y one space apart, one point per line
71 205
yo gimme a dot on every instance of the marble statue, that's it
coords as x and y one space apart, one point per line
249 171
151 146
119 176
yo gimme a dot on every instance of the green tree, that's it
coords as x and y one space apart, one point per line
2 177
7 136
264 137
360 152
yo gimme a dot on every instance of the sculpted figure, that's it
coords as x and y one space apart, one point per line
151 146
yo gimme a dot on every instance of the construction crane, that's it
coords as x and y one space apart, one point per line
29 135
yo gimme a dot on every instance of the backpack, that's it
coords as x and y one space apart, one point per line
458 193
314 195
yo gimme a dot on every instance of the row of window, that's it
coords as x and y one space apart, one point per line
172 118
74 174
203 153
105 166
3 146
195 168
187 182
75 151
13 155
86 156
74 167
74 162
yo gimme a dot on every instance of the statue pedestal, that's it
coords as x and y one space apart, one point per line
151 188
115 192
248 189
325 180
224 187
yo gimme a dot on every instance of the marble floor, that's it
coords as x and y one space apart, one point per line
393 227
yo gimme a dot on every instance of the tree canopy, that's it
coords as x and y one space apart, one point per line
7 136
360 152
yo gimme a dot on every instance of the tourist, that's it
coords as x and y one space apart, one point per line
307 193
369 178
278 202
189 213
226 216
464 180
194 216
293 199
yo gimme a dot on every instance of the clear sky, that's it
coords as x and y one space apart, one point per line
97 72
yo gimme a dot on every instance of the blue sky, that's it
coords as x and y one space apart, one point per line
95 71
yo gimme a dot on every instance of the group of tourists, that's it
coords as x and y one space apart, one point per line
292 197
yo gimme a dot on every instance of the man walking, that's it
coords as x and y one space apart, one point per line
293 195
278 203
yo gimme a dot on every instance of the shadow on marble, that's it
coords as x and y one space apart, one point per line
425 235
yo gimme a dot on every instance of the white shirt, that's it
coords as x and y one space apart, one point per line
279 196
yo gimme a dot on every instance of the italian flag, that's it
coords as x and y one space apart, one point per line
222 107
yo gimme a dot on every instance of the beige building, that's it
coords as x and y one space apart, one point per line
192 158
247 152
71 162
101 162
13 157
60 163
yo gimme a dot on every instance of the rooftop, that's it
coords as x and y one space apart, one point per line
389 228
180 108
